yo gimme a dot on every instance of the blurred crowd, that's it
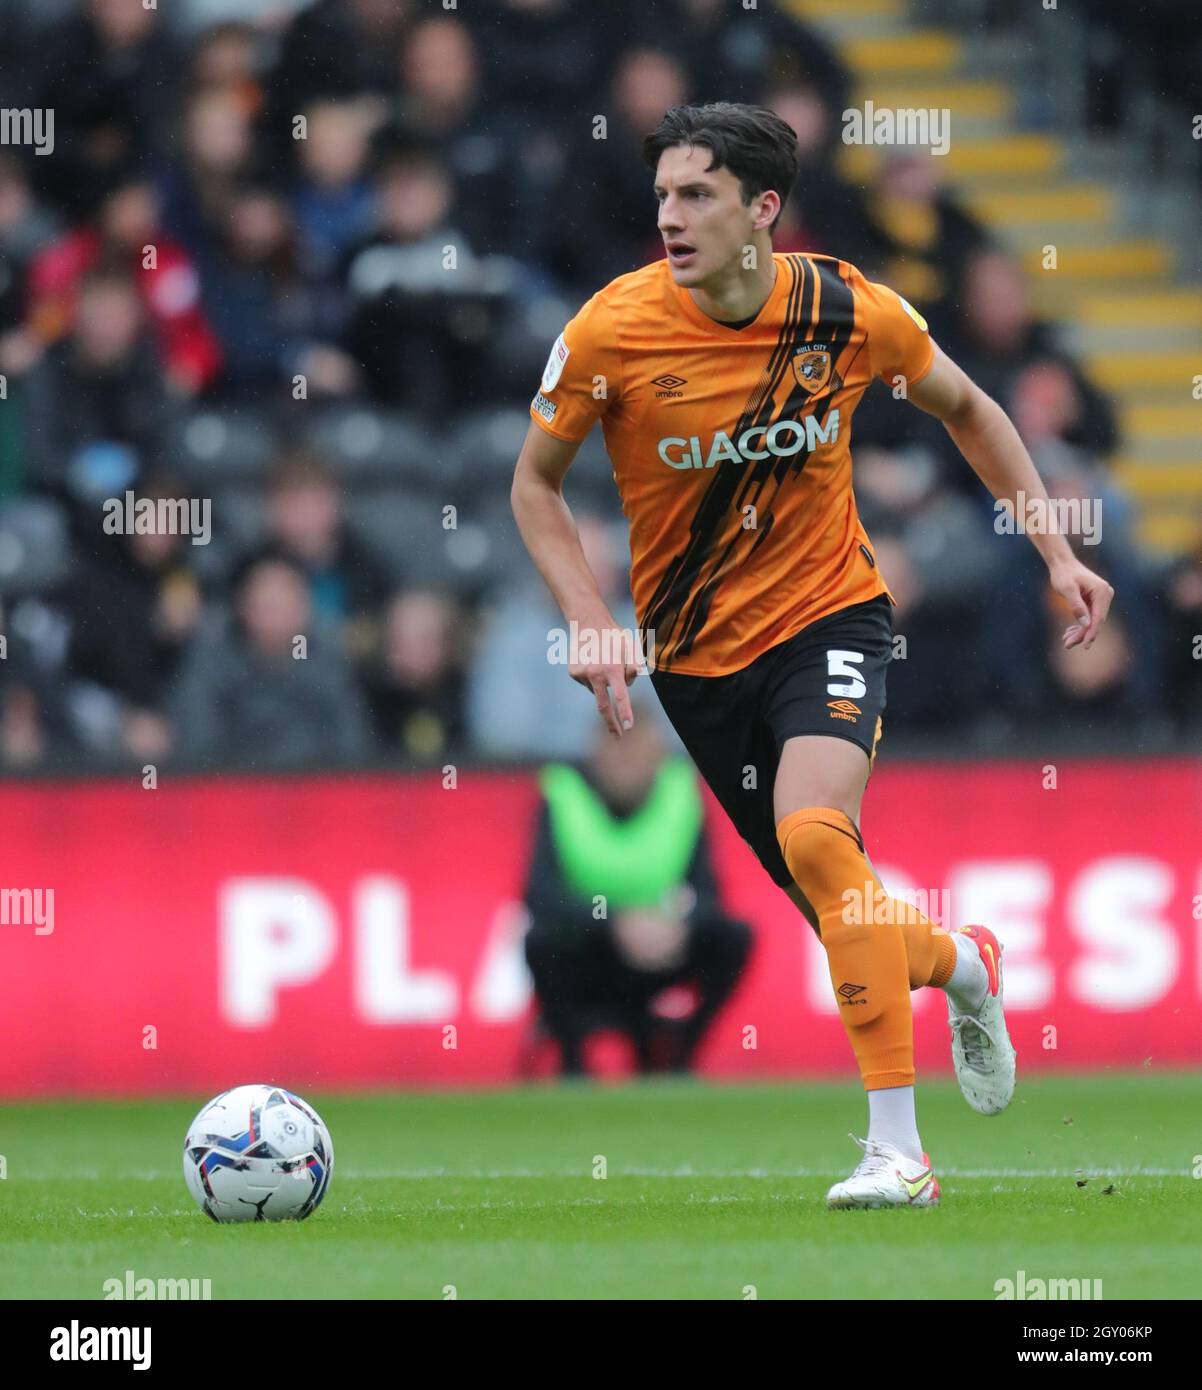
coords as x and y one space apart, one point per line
305 262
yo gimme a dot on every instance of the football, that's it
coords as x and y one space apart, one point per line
258 1153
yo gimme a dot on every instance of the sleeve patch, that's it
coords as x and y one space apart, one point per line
555 364
542 406
914 314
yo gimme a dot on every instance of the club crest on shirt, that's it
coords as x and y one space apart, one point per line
555 364
812 366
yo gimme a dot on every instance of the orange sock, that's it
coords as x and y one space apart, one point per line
873 964
930 954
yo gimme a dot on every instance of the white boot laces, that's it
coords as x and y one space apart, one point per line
876 1159
973 1036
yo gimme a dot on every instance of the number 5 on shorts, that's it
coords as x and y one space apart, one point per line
837 665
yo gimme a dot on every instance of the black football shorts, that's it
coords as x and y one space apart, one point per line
827 679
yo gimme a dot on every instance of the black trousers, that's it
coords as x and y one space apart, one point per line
583 984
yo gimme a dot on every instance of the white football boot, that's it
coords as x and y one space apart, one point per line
981 1048
885 1177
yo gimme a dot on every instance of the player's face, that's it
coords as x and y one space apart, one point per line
702 217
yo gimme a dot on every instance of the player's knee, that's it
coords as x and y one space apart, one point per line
816 843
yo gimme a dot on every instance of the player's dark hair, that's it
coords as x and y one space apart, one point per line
758 148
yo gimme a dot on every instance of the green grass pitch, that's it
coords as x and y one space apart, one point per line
710 1191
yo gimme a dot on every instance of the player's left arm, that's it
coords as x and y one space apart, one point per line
984 434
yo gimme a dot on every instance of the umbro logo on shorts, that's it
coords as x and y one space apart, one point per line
844 709
848 993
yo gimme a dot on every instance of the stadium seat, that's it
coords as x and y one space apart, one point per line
216 443
490 441
412 531
34 546
405 528
237 529
364 445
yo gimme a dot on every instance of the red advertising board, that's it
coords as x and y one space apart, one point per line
366 931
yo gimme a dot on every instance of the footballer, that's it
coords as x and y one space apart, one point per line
725 377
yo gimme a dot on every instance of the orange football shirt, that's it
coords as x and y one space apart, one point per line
731 448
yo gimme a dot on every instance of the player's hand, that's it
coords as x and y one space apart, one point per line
610 680
1088 596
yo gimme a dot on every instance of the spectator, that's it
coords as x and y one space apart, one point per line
223 17
133 606
420 325
334 50
348 583
127 233
920 240
109 75
999 339
332 202
23 736
25 227
226 58
218 152
614 229
545 56
267 686
34 723
1121 679
627 831
736 55
1097 687
415 685
520 704
273 323
934 550
115 429
824 214
441 107
1183 604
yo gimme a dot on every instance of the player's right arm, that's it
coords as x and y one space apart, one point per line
549 532
581 381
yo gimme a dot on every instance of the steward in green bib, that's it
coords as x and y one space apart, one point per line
627 932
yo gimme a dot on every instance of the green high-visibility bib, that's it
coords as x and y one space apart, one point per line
631 862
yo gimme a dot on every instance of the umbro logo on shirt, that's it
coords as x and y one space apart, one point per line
669 385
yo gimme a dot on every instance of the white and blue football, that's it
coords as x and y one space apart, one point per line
258 1153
